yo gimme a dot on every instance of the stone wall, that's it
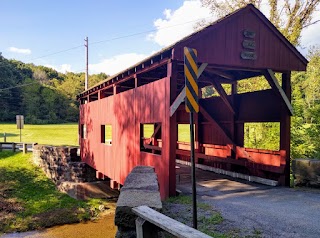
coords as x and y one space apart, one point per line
62 164
306 172
140 188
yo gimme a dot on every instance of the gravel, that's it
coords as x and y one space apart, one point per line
257 210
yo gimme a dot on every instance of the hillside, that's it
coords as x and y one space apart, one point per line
41 94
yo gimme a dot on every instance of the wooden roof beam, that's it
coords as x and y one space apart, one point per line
221 73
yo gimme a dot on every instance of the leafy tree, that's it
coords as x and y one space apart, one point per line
290 17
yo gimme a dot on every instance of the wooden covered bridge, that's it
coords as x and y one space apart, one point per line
242 45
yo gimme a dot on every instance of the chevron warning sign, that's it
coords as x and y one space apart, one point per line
191 72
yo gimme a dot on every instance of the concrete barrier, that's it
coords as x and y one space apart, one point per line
140 188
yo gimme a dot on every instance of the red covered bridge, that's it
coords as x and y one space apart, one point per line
242 45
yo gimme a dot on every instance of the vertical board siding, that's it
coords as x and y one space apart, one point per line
221 44
125 111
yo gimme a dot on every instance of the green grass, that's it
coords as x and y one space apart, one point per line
29 200
208 219
55 134
66 134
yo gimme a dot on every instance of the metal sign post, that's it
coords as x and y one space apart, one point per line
192 105
20 123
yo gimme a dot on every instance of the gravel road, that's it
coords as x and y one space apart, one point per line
257 209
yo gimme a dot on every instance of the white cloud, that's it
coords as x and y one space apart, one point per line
310 37
116 63
19 51
179 23
63 68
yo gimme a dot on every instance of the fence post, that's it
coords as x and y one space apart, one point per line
139 229
4 137
0 146
13 147
25 148
146 229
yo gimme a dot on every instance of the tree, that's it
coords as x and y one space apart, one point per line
289 16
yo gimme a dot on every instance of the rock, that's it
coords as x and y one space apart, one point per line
306 172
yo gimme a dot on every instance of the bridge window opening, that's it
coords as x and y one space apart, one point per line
93 97
84 100
184 132
83 131
106 134
252 85
150 138
106 92
264 135
126 85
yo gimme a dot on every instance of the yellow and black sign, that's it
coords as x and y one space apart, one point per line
191 72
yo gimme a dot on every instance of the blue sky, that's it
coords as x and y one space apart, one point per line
32 29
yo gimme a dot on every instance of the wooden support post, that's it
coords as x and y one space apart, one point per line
25 148
172 72
285 128
234 91
145 229
139 228
115 89
113 184
0 147
13 147
136 83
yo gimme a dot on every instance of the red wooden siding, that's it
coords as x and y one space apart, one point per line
125 111
221 44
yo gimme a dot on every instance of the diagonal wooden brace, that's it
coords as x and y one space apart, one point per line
180 98
269 74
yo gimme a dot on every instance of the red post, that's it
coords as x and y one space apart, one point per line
172 72
285 128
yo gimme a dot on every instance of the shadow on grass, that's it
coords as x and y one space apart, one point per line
9 135
5 154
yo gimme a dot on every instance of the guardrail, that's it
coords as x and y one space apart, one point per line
149 219
24 147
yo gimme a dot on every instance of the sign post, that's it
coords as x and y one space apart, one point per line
192 106
20 123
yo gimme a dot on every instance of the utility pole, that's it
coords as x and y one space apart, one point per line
87 75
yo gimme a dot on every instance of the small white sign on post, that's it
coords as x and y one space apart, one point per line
20 121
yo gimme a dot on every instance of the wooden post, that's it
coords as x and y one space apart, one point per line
0 147
285 124
234 91
145 229
25 148
172 72
13 147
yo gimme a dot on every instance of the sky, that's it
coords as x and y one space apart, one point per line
120 33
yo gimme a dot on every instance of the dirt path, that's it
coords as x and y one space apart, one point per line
257 209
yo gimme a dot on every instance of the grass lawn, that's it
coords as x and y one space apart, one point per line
65 134
29 200
55 134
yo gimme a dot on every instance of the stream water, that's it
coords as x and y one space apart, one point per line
101 228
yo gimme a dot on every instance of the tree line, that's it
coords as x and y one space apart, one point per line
41 94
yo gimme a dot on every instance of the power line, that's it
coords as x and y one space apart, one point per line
17 86
117 38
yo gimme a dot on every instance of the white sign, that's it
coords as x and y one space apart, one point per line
20 121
